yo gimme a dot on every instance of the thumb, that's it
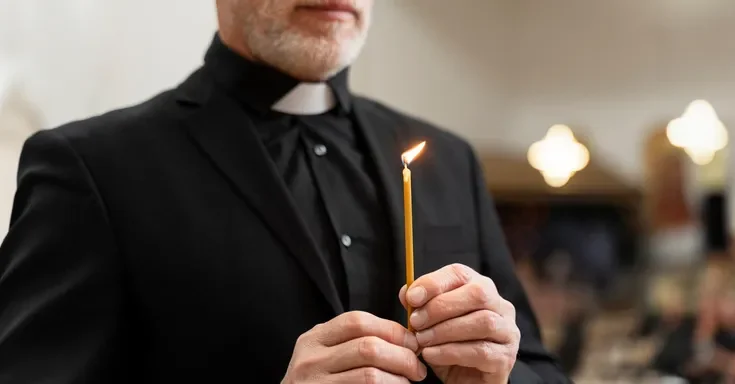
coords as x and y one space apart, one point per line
402 296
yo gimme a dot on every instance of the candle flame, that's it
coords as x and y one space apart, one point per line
408 156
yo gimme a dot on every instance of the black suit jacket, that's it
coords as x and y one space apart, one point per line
158 244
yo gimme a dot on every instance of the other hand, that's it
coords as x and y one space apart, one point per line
467 331
355 347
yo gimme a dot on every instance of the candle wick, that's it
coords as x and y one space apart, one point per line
405 163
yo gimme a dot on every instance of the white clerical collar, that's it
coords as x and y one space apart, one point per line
307 99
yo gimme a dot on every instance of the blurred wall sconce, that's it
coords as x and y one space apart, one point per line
558 156
699 132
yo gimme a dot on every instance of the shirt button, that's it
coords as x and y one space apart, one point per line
320 150
346 241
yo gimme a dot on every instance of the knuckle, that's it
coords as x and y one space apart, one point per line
356 322
504 362
493 362
368 348
306 364
495 366
372 375
489 321
398 334
452 354
303 338
486 351
306 337
438 307
478 293
489 283
516 335
500 362
510 308
411 363
462 272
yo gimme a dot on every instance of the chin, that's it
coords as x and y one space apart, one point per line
316 59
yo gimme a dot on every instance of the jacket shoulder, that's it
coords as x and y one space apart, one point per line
120 123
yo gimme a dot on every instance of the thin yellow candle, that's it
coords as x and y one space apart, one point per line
407 158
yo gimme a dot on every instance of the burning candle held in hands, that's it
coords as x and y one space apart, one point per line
407 157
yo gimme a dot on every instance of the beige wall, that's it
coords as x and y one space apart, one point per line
82 57
442 63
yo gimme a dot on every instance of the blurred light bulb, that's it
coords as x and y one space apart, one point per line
701 110
558 156
556 181
700 157
698 131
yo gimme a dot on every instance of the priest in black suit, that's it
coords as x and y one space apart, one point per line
246 227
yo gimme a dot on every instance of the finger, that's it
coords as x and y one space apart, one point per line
478 325
477 295
433 284
375 352
356 324
485 356
366 375
402 296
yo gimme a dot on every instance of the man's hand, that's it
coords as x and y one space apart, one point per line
355 347
467 330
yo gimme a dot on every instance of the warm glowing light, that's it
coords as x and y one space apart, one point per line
699 132
409 156
558 156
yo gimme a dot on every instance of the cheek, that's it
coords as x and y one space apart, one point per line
275 9
275 18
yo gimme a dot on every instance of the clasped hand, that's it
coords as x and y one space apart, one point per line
467 332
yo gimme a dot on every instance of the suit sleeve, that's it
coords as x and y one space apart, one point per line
534 364
60 296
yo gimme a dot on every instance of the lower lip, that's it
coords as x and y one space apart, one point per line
329 14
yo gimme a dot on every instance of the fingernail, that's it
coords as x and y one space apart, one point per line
418 318
422 371
410 342
424 337
416 296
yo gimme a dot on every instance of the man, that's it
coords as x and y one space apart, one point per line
247 227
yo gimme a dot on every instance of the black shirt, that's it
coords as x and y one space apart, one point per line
322 160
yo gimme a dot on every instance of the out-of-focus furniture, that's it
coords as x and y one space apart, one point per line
524 199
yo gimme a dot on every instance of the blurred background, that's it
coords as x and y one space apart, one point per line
603 127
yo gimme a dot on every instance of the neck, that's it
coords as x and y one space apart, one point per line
236 42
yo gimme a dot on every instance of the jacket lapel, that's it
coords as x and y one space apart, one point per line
226 135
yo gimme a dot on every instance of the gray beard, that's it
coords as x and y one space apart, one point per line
304 57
